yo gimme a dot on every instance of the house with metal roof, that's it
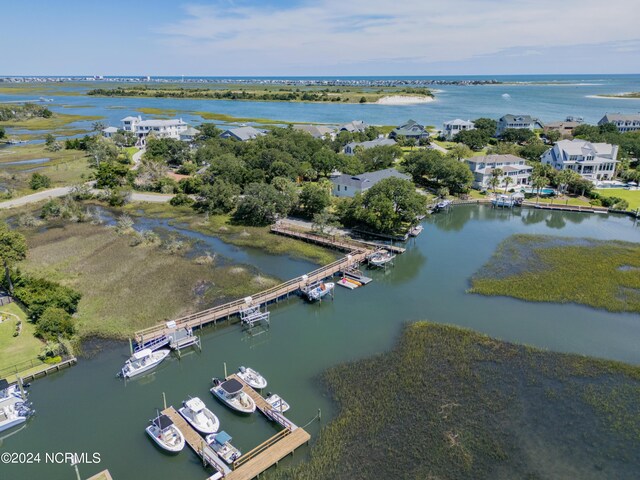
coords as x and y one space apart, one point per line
513 167
510 121
350 148
109 132
411 129
348 185
189 135
451 128
243 134
592 161
624 123
353 126
317 131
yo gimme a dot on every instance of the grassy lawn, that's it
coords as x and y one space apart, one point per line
631 196
126 288
220 226
448 403
24 347
65 167
600 274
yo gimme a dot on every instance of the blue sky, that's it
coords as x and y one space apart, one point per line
320 37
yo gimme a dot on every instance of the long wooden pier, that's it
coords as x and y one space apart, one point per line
155 335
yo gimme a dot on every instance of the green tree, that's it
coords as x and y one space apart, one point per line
533 150
475 139
38 181
53 323
219 197
98 126
380 157
507 181
38 294
517 135
314 199
496 177
485 125
460 152
323 220
262 204
101 151
552 135
2 132
13 248
324 161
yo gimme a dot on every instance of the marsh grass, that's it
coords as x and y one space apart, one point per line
239 235
448 403
126 285
600 274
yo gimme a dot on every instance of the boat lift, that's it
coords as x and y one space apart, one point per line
251 316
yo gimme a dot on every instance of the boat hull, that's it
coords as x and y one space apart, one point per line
163 354
232 405
253 379
14 422
154 433
199 427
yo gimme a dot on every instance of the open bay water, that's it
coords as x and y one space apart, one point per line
547 97
86 409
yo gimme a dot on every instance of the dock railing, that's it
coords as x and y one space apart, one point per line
260 448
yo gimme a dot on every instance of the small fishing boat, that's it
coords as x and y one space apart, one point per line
166 435
199 416
14 414
143 361
230 393
415 231
503 201
277 402
380 258
443 204
318 291
221 444
252 378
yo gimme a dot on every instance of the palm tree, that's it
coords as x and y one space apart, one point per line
495 178
507 181
539 182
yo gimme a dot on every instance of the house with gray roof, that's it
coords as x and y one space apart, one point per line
411 129
451 128
242 134
189 135
353 126
109 132
517 122
623 122
348 185
513 167
350 148
317 131
592 161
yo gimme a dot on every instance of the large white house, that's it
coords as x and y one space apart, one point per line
451 128
512 167
348 185
142 128
516 122
624 123
593 161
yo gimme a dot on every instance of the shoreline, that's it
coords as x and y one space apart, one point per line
395 100
618 96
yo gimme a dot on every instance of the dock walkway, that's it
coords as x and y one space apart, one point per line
47 369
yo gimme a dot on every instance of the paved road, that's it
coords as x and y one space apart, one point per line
62 191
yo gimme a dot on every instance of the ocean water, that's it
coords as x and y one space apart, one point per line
548 97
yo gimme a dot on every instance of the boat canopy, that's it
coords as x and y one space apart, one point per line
195 404
145 352
3 384
223 437
232 386
162 422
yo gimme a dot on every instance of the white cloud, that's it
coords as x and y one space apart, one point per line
345 37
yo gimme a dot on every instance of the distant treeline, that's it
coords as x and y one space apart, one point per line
289 95
23 112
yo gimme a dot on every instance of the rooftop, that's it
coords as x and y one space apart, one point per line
503 158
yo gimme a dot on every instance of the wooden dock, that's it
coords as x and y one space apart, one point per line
157 335
259 459
566 208
47 369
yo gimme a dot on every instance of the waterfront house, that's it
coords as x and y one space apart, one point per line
317 131
348 185
129 123
592 161
451 128
109 132
353 126
242 134
158 128
515 168
565 128
189 135
411 129
624 123
350 148
509 121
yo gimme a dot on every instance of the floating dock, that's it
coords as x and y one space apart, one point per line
261 458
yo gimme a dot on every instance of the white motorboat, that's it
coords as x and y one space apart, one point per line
230 392
199 416
220 442
13 414
8 392
380 258
252 378
317 292
143 361
277 402
166 435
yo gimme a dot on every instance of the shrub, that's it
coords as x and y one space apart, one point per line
181 199
38 294
54 322
39 181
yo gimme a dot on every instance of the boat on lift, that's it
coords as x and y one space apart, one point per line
318 291
380 258
143 361
277 402
221 444
166 435
199 416
230 393
252 378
